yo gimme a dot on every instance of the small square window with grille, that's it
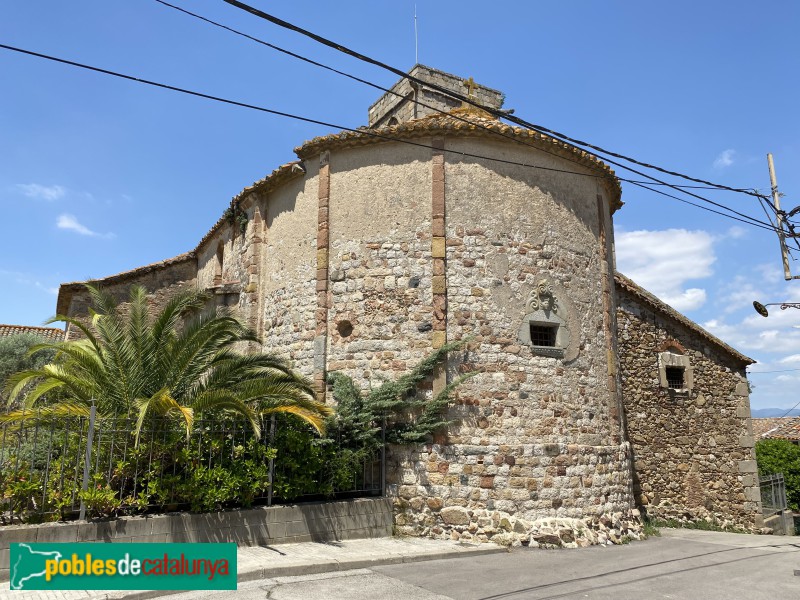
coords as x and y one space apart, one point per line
543 335
675 377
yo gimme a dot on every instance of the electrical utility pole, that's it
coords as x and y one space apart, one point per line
776 200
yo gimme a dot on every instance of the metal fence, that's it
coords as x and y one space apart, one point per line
773 493
95 466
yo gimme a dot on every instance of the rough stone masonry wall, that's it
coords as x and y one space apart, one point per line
380 317
229 264
162 282
535 455
288 272
693 454
399 103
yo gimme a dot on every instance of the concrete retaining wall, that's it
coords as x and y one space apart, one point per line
316 522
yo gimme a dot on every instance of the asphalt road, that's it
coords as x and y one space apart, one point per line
680 564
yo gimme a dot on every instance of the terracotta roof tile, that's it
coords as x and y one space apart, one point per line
767 425
282 174
52 334
466 122
65 289
788 429
480 125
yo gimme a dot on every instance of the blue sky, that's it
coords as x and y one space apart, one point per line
100 175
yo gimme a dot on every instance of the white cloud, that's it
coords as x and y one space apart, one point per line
793 358
770 272
739 294
70 223
774 334
27 279
689 299
41 192
663 261
735 232
50 290
725 159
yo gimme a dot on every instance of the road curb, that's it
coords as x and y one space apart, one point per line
333 565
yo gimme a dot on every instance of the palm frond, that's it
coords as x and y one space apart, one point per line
312 418
162 404
21 419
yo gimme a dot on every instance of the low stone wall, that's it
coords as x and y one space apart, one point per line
314 522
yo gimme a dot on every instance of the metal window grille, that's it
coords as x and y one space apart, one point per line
543 335
675 377
773 493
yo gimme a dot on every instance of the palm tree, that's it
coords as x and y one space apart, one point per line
179 363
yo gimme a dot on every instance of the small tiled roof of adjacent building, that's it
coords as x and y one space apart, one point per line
767 425
786 428
52 334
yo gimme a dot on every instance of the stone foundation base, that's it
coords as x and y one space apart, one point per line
684 516
458 523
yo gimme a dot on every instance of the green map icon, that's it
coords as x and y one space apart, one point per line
28 564
122 566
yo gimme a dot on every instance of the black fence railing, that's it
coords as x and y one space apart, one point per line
73 468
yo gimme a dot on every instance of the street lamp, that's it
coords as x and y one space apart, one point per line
762 308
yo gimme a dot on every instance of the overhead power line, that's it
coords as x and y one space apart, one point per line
653 181
371 84
500 114
361 131
748 221
355 78
681 186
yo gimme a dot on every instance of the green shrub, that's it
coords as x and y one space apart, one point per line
781 456
101 500
15 357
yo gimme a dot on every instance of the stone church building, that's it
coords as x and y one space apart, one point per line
592 399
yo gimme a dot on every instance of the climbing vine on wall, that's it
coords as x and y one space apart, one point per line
409 417
236 216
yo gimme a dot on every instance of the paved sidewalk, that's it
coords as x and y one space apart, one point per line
283 560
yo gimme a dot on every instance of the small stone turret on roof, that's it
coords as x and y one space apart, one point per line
401 103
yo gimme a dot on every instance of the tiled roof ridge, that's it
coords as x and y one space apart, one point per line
424 127
468 123
282 174
787 430
642 294
278 176
47 332
119 277
764 426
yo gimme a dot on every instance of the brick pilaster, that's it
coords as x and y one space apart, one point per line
323 241
609 323
252 290
438 256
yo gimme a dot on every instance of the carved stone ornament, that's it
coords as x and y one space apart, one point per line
542 298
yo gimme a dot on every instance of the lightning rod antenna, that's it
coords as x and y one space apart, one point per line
416 41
